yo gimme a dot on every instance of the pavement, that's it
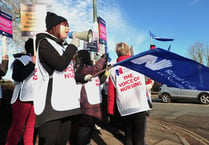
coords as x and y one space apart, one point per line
156 134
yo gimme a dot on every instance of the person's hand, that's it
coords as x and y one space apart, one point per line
75 41
5 57
88 77
105 56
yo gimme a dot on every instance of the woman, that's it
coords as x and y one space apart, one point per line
128 89
90 100
57 99
3 69
3 128
23 116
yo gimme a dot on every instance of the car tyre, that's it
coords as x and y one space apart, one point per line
166 98
204 98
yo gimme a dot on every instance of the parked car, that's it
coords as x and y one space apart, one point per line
168 94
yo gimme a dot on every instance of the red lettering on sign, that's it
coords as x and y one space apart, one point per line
68 75
136 78
97 82
128 76
126 82
130 86
35 77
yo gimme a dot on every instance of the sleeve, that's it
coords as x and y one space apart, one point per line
3 67
100 64
20 71
79 77
80 74
149 84
52 60
111 97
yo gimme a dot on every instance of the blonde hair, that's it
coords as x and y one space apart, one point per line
122 49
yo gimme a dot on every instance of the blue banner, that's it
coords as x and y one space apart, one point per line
169 68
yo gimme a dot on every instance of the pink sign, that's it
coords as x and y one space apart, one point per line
102 29
102 32
5 24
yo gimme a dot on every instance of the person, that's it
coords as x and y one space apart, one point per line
3 69
90 99
128 89
149 83
56 100
23 116
3 128
152 46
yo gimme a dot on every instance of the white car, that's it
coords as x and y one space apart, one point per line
168 94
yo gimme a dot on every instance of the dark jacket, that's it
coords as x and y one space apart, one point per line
3 68
90 113
20 71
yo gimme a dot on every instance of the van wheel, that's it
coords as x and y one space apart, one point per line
204 98
166 98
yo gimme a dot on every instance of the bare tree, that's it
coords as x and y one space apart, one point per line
206 55
199 52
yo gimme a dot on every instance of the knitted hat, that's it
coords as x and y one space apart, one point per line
29 46
52 20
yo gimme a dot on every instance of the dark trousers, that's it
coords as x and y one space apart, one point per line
3 134
84 134
85 128
135 128
5 120
55 132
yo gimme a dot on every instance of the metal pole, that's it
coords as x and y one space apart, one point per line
95 27
95 23
94 11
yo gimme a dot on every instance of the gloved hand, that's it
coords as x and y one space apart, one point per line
105 56
88 77
75 41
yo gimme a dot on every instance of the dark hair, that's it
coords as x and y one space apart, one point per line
29 46
84 57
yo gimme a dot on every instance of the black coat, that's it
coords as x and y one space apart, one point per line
20 71
3 67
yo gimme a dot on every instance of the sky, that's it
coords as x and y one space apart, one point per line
186 21
129 21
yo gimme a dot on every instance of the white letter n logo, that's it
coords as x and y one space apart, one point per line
151 63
